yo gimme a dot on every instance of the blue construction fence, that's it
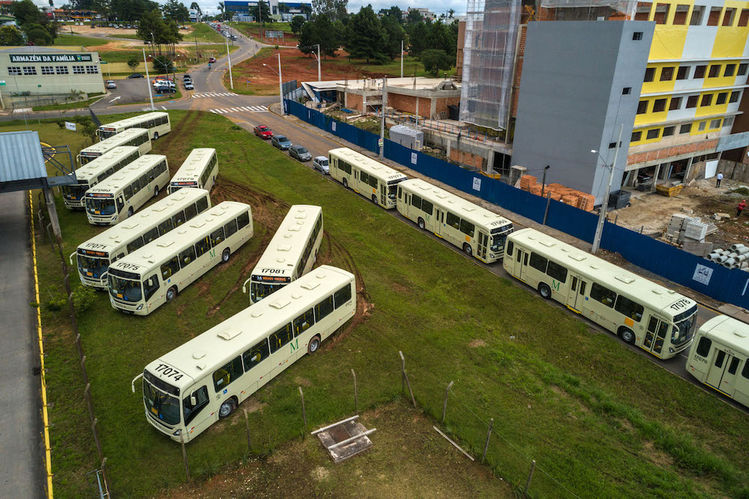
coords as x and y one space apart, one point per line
711 279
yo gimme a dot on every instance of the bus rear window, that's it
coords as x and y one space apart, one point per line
703 347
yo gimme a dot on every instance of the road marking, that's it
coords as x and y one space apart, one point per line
22 110
213 94
162 107
118 97
251 109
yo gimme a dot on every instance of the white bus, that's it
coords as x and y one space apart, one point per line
643 313
147 278
95 171
199 169
156 123
137 137
95 255
475 230
719 357
291 253
188 389
119 196
371 179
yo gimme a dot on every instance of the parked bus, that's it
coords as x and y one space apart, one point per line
95 255
137 137
188 389
371 179
156 123
719 357
119 196
147 278
291 253
656 319
475 230
199 169
95 171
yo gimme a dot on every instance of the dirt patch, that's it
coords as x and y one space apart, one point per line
302 381
320 474
656 456
477 343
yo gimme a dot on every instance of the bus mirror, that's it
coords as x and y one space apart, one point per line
71 257
244 285
193 400
132 383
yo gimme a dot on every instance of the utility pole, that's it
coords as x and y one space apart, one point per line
280 84
231 80
148 79
605 204
382 123
401 58
319 73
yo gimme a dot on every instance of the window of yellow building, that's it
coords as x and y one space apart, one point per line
734 96
715 124
653 133
701 126
661 13
699 71
742 69
642 107
668 131
675 104
680 16
659 105
685 128
714 16
730 70
636 136
682 73
649 74
714 71
692 101
667 73
698 12
707 100
744 17
721 98
728 17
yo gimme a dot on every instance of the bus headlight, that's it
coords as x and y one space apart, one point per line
671 350
140 307
177 433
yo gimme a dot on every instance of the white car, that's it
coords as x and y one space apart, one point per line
111 84
321 163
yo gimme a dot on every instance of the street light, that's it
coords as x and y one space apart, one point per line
543 182
228 54
319 73
280 85
605 204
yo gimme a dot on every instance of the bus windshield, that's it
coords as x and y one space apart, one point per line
161 405
105 134
100 206
76 191
498 242
87 158
392 191
92 266
684 330
259 290
125 289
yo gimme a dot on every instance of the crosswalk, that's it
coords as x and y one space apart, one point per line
214 94
245 109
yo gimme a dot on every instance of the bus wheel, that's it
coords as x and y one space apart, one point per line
225 255
227 408
544 290
627 335
314 344
155 135
345 183
421 223
374 199
467 249
171 293
130 211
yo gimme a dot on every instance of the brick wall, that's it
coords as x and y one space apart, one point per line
467 158
668 152
355 102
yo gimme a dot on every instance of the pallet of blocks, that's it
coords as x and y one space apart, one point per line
558 192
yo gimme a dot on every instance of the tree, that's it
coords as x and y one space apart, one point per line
435 59
296 24
261 12
365 37
153 29
174 9
37 34
394 34
418 35
26 12
414 16
320 31
334 9
10 35
396 13
130 10
133 63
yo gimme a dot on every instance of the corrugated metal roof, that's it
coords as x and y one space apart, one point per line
21 156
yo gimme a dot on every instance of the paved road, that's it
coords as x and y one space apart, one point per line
21 471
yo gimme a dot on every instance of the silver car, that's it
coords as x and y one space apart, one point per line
299 152
321 163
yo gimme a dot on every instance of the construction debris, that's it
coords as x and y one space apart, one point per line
735 257
558 192
345 438
683 228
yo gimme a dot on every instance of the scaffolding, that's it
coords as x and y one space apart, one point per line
488 61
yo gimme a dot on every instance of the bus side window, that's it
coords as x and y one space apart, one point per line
186 257
170 268
243 220
399 192
165 226
255 355
120 204
178 219
745 371
323 308
150 286
201 401
202 204
202 246
223 376
342 296
217 236
703 347
151 235
190 212
303 322
511 246
280 338
134 245
230 228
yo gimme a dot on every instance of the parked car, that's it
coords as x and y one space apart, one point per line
135 75
263 132
299 152
186 77
211 60
321 163
281 142
189 86
111 84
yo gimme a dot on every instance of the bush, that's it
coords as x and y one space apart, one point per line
83 298
163 64
435 59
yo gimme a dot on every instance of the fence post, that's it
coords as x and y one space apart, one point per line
403 372
184 457
405 378
356 393
304 412
444 405
546 211
488 436
247 426
530 476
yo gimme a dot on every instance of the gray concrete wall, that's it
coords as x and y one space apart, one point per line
571 100
47 84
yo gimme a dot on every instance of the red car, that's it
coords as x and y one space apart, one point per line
263 132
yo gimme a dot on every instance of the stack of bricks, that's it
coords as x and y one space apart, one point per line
558 192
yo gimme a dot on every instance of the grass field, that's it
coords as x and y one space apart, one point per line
68 105
598 419
203 33
79 41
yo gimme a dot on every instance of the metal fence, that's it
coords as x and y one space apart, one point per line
697 273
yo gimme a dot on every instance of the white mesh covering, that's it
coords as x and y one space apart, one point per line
488 60
626 7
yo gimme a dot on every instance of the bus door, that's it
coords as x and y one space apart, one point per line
383 194
439 220
722 373
521 261
483 241
576 294
655 336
